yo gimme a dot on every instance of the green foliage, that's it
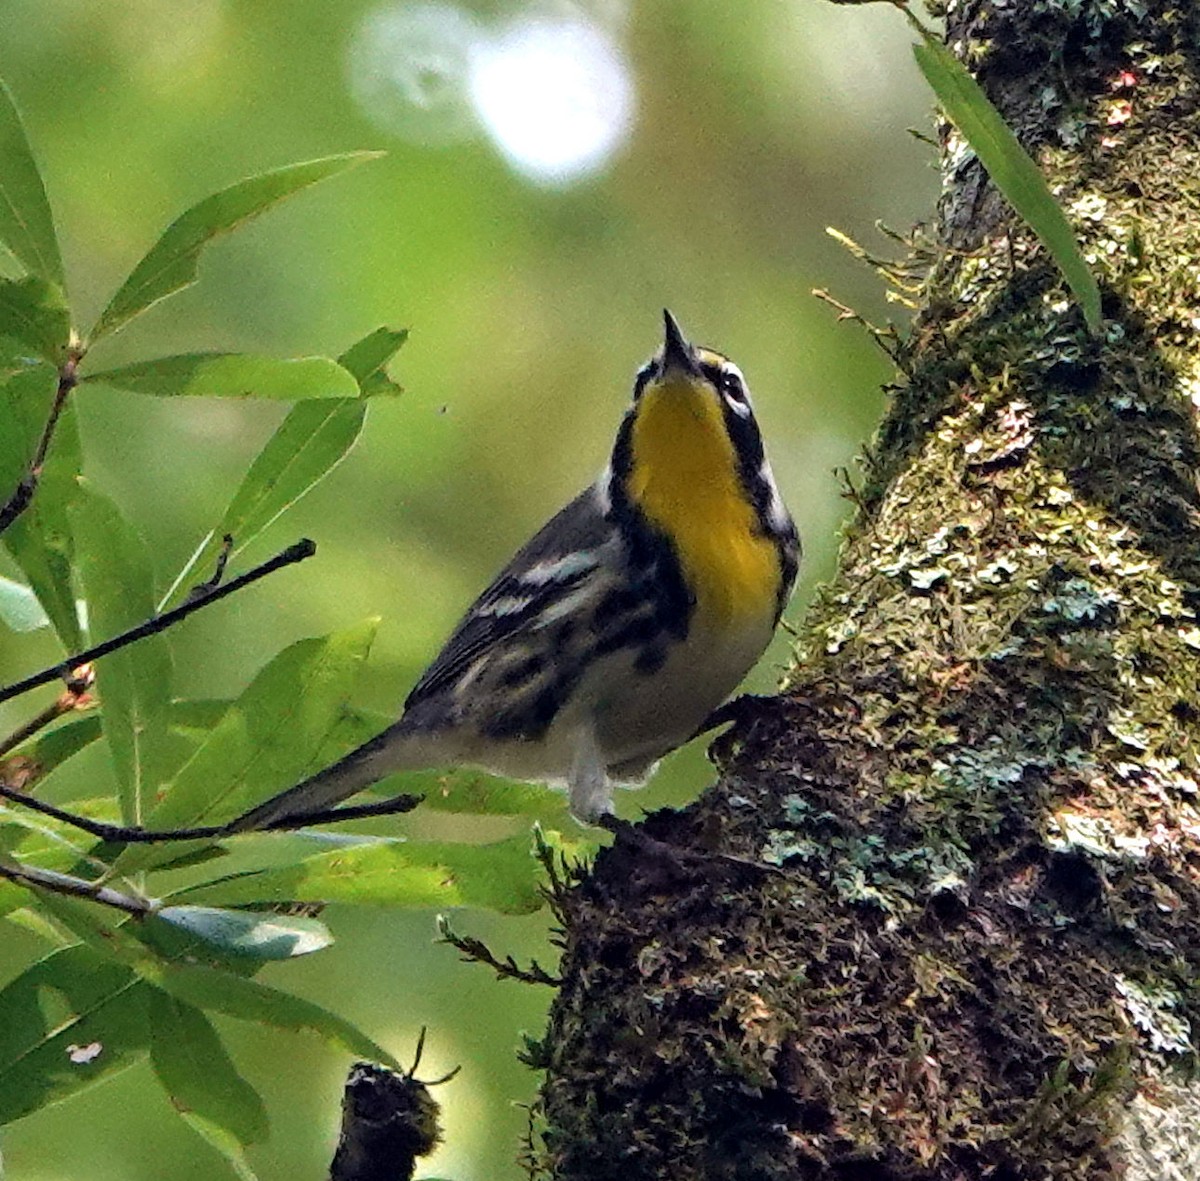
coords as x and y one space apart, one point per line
170 264
114 576
243 933
32 311
190 1061
20 610
232 375
26 225
40 540
75 997
1009 166
120 989
501 876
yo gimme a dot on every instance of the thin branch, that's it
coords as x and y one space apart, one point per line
476 951
75 696
886 338
22 495
201 589
294 553
62 883
131 835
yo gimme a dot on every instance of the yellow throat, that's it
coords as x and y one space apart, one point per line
684 479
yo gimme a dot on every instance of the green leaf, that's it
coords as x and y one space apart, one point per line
32 311
488 795
266 740
314 438
195 717
171 263
133 683
190 720
244 933
50 749
310 442
219 992
42 843
66 1022
231 375
224 1142
42 846
1009 166
27 389
40 539
26 224
20 610
502 876
33 922
196 1072
367 359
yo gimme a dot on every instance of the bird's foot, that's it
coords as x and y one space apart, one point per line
636 836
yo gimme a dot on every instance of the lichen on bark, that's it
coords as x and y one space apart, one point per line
976 957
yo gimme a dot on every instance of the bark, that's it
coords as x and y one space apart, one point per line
977 958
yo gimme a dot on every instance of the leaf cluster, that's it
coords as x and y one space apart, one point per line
141 979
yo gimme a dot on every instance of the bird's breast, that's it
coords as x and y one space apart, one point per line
686 483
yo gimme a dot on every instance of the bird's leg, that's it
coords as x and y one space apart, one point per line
589 792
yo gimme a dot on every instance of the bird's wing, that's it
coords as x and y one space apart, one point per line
549 568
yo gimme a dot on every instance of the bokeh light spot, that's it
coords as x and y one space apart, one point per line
555 96
408 67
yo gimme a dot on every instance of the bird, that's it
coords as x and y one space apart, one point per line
615 632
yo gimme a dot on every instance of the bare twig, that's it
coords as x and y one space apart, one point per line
294 553
131 834
476 951
20 499
62 883
201 589
886 338
75 696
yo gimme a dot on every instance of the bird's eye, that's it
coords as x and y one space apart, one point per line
732 386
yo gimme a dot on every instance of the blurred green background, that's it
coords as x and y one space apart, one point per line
556 173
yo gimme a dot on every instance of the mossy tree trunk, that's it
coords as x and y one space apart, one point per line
977 960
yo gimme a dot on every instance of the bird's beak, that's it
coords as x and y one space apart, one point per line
678 356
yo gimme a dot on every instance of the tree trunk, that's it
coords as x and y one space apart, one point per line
977 957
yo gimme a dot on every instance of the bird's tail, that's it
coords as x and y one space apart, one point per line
386 752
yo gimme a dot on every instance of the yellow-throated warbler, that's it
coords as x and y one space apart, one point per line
613 633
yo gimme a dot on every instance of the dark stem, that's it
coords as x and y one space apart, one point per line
294 553
132 835
22 495
74 697
207 587
61 883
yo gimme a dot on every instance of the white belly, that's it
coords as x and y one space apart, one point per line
634 718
